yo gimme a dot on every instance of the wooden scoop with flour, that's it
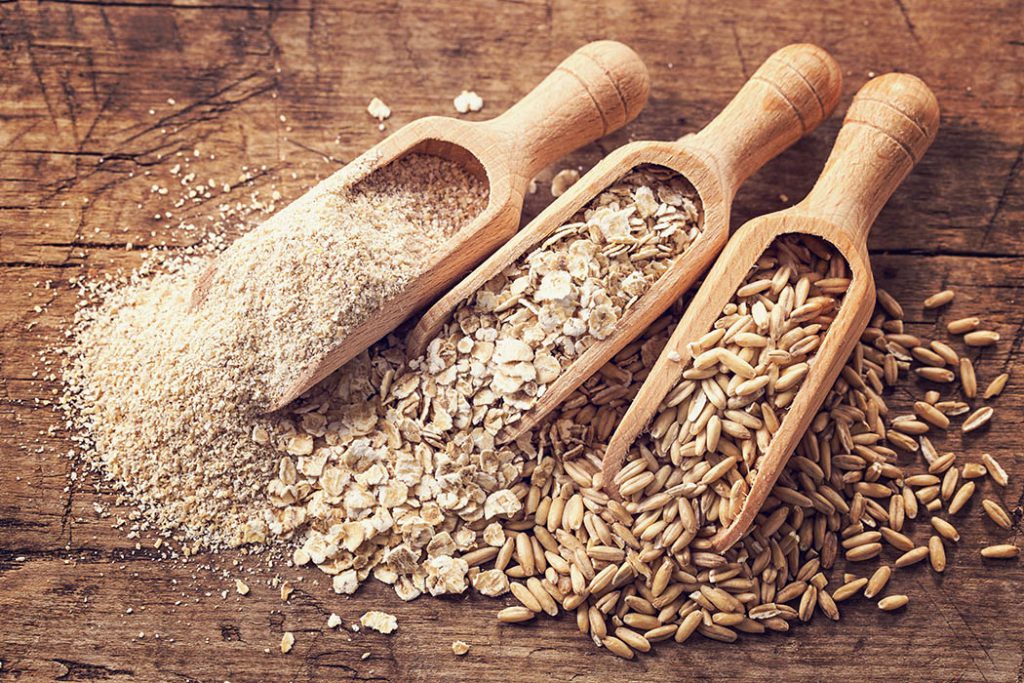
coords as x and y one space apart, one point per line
596 90
891 122
787 97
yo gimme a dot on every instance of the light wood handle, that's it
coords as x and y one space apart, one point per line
597 89
888 127
795 89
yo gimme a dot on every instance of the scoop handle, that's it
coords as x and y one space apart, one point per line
792 92
597 89
890 124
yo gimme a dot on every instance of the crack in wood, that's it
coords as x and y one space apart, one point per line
905 14
269 7
1004 193
941 252
82 671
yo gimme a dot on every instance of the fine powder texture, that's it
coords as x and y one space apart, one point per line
295 286
151 388
165 397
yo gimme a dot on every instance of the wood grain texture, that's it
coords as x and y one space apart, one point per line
77 142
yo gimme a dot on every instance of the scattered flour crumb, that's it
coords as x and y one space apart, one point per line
460 647
378 110
241 587
468 101
333 621
287 641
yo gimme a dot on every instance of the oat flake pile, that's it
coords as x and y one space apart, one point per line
398 469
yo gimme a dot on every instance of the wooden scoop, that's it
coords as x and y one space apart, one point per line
787 97
890 124
599 88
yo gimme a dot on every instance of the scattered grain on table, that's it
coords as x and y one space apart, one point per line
381 622
468 101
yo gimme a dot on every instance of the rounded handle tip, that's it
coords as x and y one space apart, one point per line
616 77
900 105
597 89
809 79
888 128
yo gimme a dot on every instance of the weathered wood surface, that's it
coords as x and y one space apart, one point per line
79 152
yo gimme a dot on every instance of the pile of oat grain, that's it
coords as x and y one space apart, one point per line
854 494
744 374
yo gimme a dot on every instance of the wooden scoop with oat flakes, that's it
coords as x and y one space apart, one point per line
738 356
786 98
596 90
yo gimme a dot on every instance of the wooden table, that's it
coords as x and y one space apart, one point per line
98 98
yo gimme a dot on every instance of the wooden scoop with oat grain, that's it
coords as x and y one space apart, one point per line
890 124
787 97
596 90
